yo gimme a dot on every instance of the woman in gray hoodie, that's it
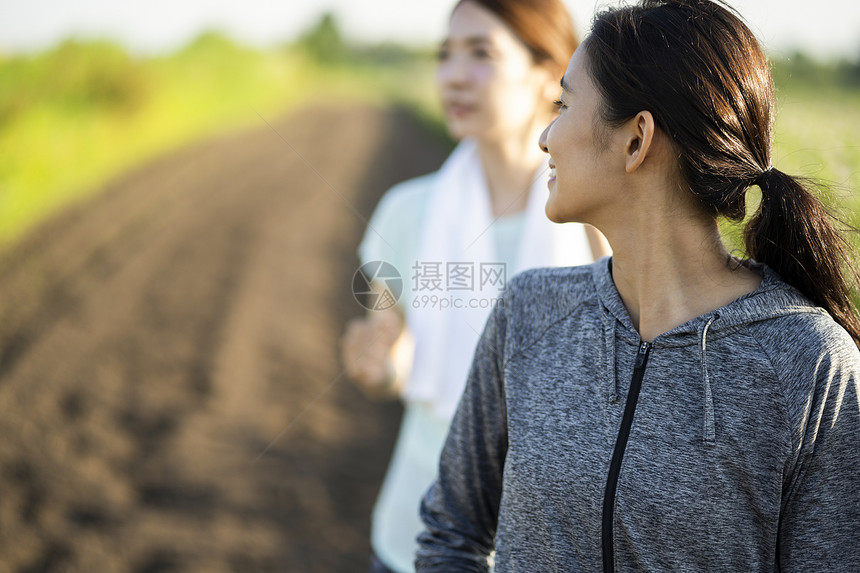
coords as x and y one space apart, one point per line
672 408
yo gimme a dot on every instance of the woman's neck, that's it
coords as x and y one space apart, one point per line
670 269
510 167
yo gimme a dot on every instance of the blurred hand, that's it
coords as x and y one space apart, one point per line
366 351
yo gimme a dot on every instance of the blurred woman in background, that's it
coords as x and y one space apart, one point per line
481 215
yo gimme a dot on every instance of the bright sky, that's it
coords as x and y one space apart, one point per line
822 27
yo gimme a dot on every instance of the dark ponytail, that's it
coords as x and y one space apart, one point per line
793 233
701 73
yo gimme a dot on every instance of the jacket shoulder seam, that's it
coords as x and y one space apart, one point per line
541 334
786 423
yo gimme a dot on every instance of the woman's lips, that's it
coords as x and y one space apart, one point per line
459 110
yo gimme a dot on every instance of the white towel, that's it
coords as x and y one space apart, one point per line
458 230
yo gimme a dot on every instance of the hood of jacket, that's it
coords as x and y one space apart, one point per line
772 299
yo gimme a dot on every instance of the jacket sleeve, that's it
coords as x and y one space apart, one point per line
820 524
460 510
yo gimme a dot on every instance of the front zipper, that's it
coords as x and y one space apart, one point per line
618 455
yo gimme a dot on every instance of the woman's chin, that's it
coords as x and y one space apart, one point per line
554 214
462 128
552 209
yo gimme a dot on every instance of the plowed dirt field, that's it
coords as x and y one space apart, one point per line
171 395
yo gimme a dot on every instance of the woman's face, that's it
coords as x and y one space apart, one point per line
489 85
577 142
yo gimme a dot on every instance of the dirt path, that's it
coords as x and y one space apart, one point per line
170 389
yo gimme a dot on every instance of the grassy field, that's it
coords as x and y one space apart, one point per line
75 116
815 137
816 112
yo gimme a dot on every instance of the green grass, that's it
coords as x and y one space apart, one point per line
816 118
77 115
82 113
73 118
816 137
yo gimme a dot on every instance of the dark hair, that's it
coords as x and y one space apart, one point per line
544 26
701 73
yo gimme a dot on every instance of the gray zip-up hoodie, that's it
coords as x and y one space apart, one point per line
741 452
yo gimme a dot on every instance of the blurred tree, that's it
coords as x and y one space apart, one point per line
851 71
392 54
324 42
75 75
95 74
214 45
801 69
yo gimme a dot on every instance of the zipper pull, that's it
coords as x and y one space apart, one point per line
642 355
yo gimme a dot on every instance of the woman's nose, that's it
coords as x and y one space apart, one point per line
542 138
454 71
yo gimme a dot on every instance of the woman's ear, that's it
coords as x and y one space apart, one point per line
639 132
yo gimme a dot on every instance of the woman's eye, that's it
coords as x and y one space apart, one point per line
559 105
442 55
480 53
